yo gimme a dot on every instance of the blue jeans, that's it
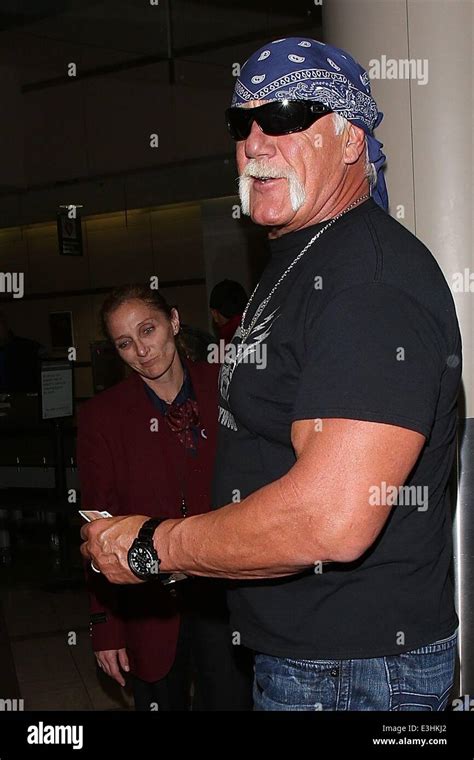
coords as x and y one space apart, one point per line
417 680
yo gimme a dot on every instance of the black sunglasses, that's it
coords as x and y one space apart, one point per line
280 117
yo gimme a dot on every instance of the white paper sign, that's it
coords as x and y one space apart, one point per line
56 390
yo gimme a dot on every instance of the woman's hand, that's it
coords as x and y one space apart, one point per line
111 660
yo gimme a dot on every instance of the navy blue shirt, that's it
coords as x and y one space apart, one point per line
186 391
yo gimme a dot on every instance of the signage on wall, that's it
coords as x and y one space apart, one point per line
69 233
56 390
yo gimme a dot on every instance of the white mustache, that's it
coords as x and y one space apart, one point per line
256 169
259 170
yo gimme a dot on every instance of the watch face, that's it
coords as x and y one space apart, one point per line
142 561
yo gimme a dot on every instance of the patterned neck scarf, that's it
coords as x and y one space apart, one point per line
182 415
298 68
182 418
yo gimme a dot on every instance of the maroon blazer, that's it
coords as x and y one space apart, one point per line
126 466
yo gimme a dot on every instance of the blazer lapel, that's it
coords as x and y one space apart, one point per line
146 439
207 402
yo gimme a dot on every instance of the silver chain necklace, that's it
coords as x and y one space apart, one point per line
245 331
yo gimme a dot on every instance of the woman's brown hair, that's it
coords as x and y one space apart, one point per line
125 293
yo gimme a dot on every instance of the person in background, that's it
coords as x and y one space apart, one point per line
149 441
227 303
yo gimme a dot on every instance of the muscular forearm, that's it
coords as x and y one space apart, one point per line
321 510
268 534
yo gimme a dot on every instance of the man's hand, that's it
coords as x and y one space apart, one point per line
106 543
111 660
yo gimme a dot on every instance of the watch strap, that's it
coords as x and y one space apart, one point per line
148 528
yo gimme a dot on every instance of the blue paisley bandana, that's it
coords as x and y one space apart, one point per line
298 68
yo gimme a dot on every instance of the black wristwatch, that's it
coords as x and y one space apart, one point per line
143 559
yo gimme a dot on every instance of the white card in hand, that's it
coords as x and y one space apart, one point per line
93 514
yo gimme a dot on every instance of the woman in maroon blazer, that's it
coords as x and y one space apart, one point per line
147 444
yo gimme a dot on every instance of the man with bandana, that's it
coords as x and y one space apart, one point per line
331 483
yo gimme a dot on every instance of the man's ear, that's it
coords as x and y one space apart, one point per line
354 145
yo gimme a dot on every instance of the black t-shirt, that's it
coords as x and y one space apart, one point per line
364 328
